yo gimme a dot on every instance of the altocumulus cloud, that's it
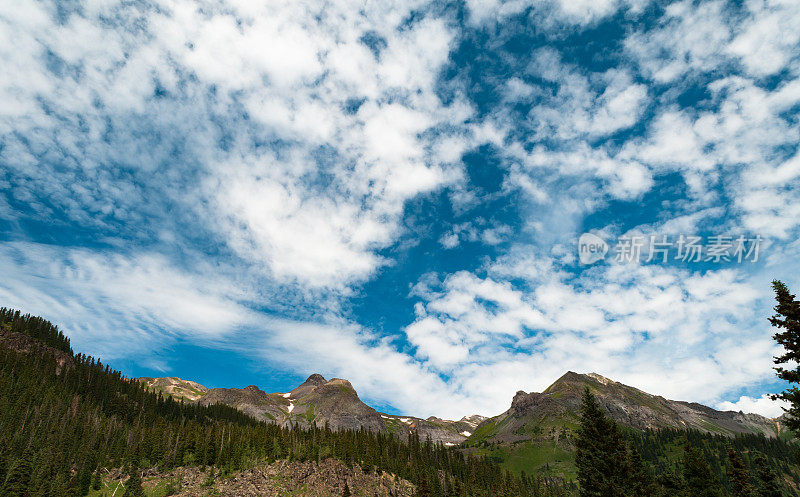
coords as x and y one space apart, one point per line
294 138
240 174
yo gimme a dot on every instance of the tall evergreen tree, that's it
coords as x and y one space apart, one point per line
768 484
133 487
642 483
18 477
671 483
423 487
739 476
97 482
700 481
601 454
787 320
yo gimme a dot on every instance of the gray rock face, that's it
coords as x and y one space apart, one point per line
250 400
308 386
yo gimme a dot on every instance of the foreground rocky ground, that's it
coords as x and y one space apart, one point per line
282 478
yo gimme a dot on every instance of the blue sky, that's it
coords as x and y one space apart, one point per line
246 193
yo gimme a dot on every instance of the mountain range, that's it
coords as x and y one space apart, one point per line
547 418
317 401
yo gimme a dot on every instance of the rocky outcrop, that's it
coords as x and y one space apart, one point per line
251 400
24 344
308 386
324 479
176 388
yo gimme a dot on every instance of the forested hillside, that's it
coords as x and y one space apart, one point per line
665 452
59 426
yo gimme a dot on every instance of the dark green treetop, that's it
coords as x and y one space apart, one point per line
787 320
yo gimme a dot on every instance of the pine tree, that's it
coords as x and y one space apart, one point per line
423 487
700 481
133 487
641 479
84 481
96 481
740 477
18 477
458 489
768 484
787 320
601 456
672 483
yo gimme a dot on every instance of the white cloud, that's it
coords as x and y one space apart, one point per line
763 405
315 239
708 36
667 331
767 39
690 37
674 142
293 70
115 305
593 105
478 230
741 146
449 240
571 12
375 368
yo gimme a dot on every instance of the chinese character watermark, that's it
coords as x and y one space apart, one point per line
715 249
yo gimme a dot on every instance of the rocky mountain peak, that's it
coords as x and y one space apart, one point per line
176 387
519 400
569 380
475 418
523 404
312 383
315 379
473 421
340 382
602 379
